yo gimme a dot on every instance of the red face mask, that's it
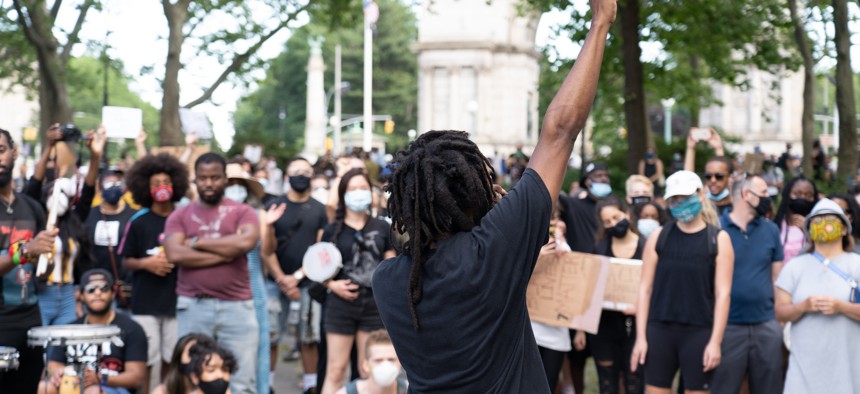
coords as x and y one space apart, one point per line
162 193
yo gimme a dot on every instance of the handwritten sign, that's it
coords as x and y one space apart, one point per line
622 286
567 290
122 122
195 122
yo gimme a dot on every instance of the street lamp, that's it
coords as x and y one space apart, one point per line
667 119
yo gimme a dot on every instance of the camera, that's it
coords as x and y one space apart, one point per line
71 133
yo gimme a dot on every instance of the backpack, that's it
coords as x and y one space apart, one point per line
713 231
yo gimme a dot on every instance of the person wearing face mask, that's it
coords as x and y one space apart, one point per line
106 225
179 369
244 189
73 245
639 190
209 240
292 224
718 169
818 294
752 343
209 369
157 182
381 366
363 241
798 197
684 292
648 217
612 345
651 167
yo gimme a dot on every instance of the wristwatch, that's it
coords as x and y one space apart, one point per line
299 275
103 375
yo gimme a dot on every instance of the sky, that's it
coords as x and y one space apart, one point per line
137 37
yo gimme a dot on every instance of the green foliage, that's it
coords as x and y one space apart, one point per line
283 91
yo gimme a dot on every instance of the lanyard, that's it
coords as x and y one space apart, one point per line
827 263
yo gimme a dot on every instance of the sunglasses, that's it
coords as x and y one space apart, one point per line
90 289
716 176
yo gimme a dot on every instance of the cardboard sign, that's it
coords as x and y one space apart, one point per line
122 122
753 163
195 122
567 290
177 151
622 286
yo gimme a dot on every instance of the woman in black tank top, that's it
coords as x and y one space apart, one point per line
616 335
684 292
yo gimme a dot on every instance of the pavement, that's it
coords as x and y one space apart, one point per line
288 374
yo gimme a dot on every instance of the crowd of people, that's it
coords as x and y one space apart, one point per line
748 284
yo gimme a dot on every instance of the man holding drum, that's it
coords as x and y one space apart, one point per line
209 241
121 368
19 310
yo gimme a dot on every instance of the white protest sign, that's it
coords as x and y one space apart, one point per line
120 122
195 122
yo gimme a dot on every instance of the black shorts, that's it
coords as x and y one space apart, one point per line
347 317
673 346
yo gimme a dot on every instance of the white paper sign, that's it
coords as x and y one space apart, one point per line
253 153
195 122
122 122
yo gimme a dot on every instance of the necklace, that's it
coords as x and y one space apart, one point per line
9 209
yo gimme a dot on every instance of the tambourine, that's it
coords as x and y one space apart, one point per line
322 262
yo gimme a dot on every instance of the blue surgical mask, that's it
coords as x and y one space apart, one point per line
358 200
600 189
647 226
687 210
719 197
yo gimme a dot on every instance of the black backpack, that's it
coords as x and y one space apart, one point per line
713 232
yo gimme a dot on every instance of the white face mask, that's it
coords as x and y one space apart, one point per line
62 203
237 193
647 226
385 374
320 194
358 200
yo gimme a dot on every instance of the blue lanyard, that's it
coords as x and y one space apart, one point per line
827 263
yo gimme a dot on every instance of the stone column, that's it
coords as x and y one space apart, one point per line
315 116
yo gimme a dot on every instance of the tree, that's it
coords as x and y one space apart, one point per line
750 33
804 48
283 92
845 94
247 31
36 23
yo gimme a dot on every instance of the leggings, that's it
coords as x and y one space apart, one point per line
552 361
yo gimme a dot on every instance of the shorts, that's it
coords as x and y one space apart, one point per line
278 307
161 336
347 317
673 346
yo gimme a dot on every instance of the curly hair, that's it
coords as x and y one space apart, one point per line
440 185
137 177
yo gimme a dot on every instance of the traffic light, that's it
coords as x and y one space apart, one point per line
389 126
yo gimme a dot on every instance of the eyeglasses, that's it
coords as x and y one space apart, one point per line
90 289
716 176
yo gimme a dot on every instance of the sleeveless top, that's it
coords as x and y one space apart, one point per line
650 169
683 289
352 387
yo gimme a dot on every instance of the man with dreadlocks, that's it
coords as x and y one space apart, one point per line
454 302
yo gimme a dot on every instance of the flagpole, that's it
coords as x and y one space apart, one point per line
371 13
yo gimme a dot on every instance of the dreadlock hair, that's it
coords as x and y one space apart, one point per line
440 185
137 178
340 212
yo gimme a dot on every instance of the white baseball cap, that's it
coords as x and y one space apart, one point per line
682 183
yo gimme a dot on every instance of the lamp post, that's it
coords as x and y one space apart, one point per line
667 119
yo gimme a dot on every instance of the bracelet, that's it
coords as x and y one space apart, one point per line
15 253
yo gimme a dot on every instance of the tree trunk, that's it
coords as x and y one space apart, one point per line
807 120
634 90
845 94
696 105
170 133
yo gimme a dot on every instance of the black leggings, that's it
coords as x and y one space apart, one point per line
611 349
552 361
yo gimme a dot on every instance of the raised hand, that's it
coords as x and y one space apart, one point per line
274 213
603 11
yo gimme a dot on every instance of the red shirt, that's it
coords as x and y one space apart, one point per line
226 281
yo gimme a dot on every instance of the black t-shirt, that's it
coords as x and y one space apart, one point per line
134 347
580 216
475 335
107 231
361 250
17 287
151 294
297 230
683 290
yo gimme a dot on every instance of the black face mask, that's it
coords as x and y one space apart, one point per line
619 230
800 206
300 183
763 207
219 386
640 200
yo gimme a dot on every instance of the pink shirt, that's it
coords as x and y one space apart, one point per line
226 281
793 241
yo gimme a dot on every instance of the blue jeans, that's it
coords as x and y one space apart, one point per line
57 304
258 291
233 324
